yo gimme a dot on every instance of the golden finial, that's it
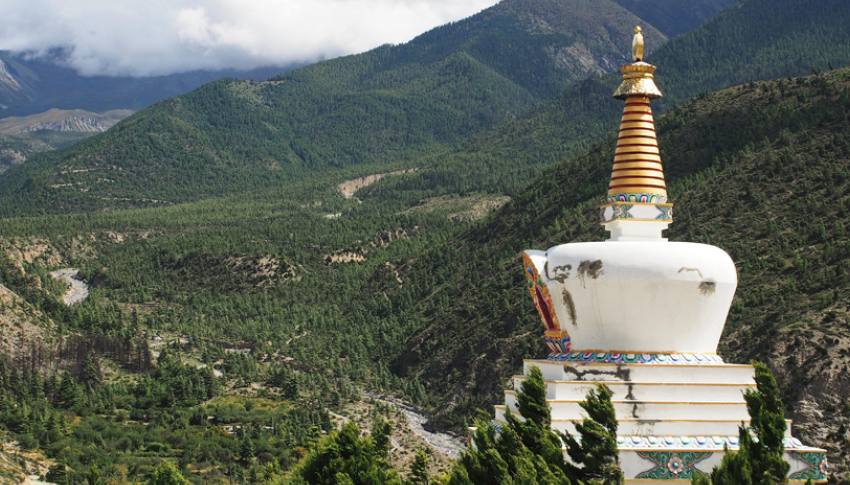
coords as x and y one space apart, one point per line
637 45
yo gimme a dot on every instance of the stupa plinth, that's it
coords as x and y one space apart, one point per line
644 316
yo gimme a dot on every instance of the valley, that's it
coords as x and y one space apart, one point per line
223 278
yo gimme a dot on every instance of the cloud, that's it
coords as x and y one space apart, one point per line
153 37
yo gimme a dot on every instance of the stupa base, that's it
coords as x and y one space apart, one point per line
677 413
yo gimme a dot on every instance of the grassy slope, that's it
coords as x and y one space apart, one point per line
759 170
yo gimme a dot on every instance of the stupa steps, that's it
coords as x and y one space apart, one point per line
714 373
647 410
666 428
650 427
646 391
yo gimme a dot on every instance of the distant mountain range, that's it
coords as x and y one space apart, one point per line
75 120
23 136
31 85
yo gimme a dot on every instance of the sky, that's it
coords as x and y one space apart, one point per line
156 37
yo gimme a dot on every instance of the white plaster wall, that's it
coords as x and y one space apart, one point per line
651 297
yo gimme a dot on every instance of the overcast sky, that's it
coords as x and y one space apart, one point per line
152 37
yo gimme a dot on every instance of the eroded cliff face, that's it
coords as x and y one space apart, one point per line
811 362
62 120
7 79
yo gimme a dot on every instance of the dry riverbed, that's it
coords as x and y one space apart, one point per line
350 187
77 290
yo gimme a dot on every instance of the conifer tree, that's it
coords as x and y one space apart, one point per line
346 457
535 429
767 421
68 391
419 469
167 474
91 374
596 454
759 459
532 400
528 451
381 436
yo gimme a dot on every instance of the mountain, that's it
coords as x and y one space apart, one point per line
755 39
669 17
385 106
74 121
23 136
411 105
31 85
727 154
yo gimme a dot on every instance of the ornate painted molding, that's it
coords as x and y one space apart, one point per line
672 465
627 358
632 211
558 342
715 443
817 467
556 339
640 198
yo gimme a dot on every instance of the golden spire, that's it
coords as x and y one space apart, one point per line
638 174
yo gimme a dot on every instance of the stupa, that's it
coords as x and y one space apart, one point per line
644 316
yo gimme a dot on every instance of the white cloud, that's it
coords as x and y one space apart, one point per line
151 37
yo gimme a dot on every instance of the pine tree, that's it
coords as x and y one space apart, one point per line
596 454
419 469
346 457
528 451
759 459
532 400
767 421
534 430
380 433
166 473
91 374
69 392
733 470
246 449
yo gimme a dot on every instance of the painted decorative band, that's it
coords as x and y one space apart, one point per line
699 443
622 358
816 466
673 465
638 197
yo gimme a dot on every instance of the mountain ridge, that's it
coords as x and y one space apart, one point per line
392 103
30 85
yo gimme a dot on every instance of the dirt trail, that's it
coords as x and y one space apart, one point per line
350 187
78 290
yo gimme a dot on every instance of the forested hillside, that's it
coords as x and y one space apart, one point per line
668 16
413 104
760 170
387 106
754 40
